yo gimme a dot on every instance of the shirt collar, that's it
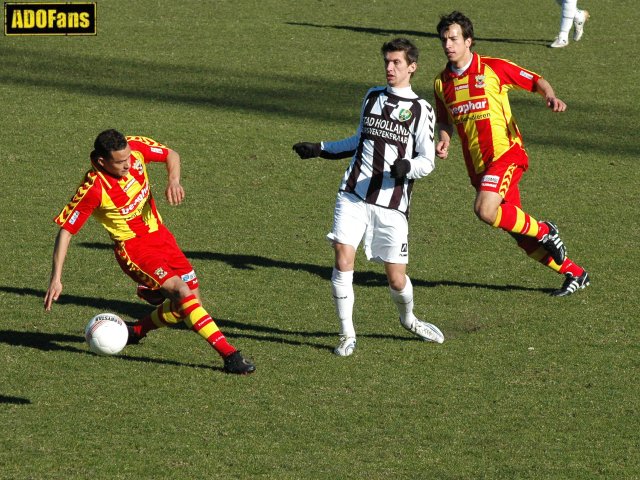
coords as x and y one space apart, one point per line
474 67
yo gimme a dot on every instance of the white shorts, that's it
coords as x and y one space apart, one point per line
385 231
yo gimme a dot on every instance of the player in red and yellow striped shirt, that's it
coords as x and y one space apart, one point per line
472 98
116 191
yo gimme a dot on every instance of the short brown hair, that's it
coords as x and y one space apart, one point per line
459 18
402 45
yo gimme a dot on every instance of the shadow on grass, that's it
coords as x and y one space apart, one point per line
361 278
198 86
416 33
232 329
14 400
48 342
120 307
278 335
264 93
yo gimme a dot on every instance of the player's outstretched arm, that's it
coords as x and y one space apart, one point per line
326 150
554 103
63 239
174 192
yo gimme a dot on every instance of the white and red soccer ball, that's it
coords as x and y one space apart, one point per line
106 334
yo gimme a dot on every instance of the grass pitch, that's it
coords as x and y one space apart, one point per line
525 386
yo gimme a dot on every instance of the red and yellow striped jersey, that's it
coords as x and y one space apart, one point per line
477 104
124 206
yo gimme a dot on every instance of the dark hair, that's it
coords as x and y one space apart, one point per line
106 142
459 18
402 45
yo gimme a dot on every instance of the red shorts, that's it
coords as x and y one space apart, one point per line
154 258
502 176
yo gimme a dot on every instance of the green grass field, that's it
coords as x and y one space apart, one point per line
525 387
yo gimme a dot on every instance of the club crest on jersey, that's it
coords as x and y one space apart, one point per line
160 273
404 114
480 81
138 166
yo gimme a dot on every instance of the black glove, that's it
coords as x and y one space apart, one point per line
307 150
400 168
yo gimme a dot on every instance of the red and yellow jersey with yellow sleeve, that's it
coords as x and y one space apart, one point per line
124 206
476 103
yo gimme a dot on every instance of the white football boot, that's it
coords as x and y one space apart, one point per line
346 347
559 42
578 23
426 331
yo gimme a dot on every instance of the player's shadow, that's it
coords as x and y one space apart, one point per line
233 329
14 400
416 33
48 342
361 278
120 307
291 337
366 278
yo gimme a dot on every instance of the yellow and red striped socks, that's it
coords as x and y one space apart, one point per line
194 315
534 250
163 316
512 219
197 318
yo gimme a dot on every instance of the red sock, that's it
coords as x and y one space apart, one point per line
538 253
543 229
569 267
142 327
219 342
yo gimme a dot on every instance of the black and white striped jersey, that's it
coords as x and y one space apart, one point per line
394 124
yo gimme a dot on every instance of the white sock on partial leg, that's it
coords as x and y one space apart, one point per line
569 9
343 298
578 22
404 302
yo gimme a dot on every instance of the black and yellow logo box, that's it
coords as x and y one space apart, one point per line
70 18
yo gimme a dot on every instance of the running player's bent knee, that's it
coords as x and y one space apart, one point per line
486 213
176 289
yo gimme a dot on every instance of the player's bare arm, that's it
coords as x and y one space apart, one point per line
59 254
174 192
444 133
554 103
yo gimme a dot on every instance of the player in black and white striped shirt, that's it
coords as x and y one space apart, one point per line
394 146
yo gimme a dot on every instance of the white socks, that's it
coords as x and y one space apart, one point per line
343 297
569 9
404 302
570 14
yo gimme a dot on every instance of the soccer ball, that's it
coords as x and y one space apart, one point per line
106 334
